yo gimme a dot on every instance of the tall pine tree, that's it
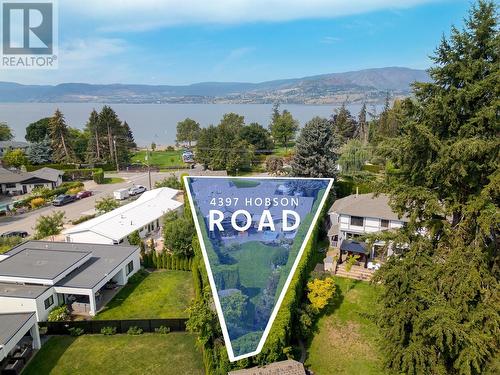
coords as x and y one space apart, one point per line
441 297
60 140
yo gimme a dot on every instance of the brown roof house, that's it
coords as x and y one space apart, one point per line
288 367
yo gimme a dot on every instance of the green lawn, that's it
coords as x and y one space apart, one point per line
160 158
151 354
345 341
161 294
113 180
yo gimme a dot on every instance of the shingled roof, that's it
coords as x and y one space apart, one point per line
288 367
365 205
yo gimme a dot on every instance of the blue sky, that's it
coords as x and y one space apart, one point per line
187 41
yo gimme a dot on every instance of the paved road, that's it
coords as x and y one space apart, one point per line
76 209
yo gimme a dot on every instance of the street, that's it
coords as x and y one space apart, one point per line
85 206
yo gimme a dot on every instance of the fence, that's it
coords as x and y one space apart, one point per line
122 326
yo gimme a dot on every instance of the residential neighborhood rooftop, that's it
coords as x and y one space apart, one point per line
22 290
288 367
48 174
119 223
365 205
10 324
99 261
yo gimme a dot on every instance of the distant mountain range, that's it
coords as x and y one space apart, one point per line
369 85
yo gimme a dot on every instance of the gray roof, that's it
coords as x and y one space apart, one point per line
13 144
104 260
22 290
10 324
288 367
49 174
365 205
354 246
43 263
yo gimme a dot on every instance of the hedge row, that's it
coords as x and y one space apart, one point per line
75 174
62 167
166 261
345 188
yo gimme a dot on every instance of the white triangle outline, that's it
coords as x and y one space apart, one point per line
277 306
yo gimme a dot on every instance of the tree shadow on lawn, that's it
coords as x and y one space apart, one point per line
48 357
126 291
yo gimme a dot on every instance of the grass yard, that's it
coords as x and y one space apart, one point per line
160 158
345 341
151 354
161 294
113 180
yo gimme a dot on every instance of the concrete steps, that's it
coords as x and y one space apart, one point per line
356 272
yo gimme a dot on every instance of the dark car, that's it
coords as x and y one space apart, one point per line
61 200
15 233
83 194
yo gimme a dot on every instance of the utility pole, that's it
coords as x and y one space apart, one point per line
116 155
149 169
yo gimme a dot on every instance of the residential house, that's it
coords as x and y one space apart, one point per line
12 145
37 276
288 367
18 182
361 214
143 215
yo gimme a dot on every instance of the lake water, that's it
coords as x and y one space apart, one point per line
155 122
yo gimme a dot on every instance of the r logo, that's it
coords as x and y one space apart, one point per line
27 28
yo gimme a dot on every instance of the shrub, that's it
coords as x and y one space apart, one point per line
163 330
135 331
74 190
108 331
37 202
98 176
76 331
58 314
82 219
134 238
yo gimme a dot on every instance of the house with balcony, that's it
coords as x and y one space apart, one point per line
357 215
37 276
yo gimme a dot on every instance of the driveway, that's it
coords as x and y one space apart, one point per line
78 208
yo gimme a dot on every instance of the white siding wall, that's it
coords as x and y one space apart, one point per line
15 305
88 237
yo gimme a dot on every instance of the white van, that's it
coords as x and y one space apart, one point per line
121 194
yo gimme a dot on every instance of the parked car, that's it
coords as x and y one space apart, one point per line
136 190
15 233
63 199
121 194
83 194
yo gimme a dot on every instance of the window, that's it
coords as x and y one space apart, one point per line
48 302
357 221
130 267
384 223
10 185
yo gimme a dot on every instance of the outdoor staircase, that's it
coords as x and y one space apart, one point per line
356 272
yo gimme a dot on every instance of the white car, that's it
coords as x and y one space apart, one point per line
136 190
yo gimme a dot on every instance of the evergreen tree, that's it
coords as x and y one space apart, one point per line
62 151
316 150
204 146
40 152
283 127
344 124
363 125
94 144
110 125
440 300
128 136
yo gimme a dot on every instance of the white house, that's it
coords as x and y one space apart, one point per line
13 145
13 329
17 182
143 215
37 276
361 214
